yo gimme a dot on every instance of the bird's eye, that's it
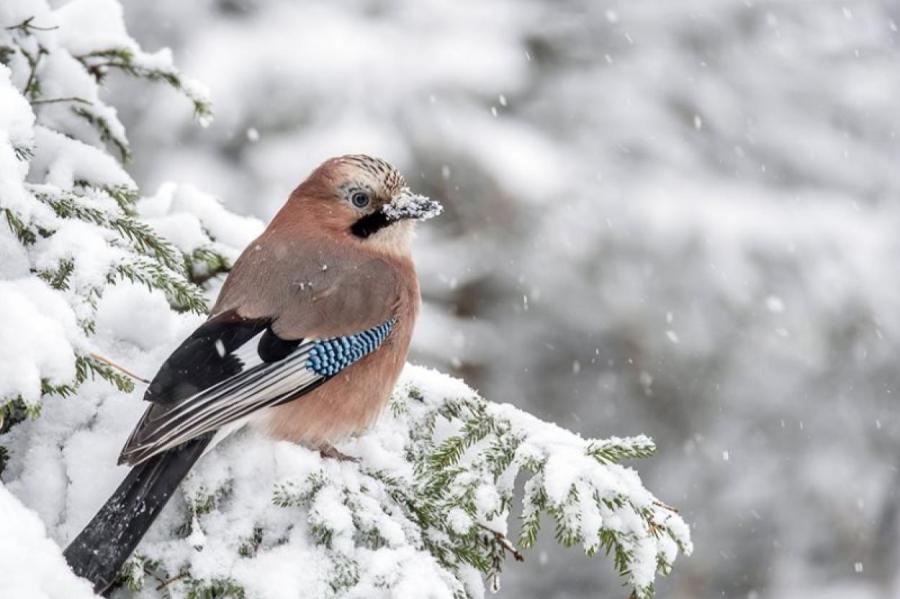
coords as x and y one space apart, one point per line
360 199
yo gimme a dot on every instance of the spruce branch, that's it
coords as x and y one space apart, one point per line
141 237
98 63
15 410
27 27
126 197
23 233
134 572
58 278
32 88
446 506
205 263
500 538
105 130
217 588
90 366
614 450
184 296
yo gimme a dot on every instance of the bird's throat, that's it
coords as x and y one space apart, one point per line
370 224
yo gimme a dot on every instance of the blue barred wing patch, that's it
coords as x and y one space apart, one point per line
330 356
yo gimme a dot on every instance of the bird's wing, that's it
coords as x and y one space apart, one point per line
286 321
313 286
230 368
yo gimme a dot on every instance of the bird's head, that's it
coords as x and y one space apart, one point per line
365 199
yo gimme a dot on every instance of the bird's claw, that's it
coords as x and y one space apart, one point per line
329 451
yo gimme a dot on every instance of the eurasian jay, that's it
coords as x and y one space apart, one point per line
305 341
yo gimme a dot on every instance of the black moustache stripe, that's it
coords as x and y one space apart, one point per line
370 224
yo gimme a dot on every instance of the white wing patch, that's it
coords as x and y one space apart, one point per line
248 353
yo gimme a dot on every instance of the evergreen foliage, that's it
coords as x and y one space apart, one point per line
468 459
101 198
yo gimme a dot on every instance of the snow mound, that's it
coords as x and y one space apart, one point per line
427 506
32 564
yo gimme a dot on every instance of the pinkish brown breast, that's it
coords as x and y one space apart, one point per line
352 400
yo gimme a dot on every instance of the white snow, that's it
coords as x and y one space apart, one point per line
187 217
33 566
61 161
409 205
87 26
345 500
16 122
37 334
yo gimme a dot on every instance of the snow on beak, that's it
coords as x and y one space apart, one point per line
407 204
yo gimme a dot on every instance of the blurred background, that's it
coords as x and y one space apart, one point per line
675 218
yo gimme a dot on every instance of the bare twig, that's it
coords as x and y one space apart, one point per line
665 506
504 542
121 369
55 100
171 580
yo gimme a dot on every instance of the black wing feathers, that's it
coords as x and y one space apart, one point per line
203 359
208 381
273 348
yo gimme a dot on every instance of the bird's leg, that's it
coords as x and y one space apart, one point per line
327 450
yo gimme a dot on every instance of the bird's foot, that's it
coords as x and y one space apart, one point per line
329 451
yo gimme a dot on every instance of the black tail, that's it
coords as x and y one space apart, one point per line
108 540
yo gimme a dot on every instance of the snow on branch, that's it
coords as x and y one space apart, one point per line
429 503
68 210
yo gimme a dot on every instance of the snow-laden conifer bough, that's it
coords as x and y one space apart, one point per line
95 276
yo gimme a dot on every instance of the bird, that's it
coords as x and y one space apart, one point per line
305 342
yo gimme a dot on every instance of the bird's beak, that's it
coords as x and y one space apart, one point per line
407 204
